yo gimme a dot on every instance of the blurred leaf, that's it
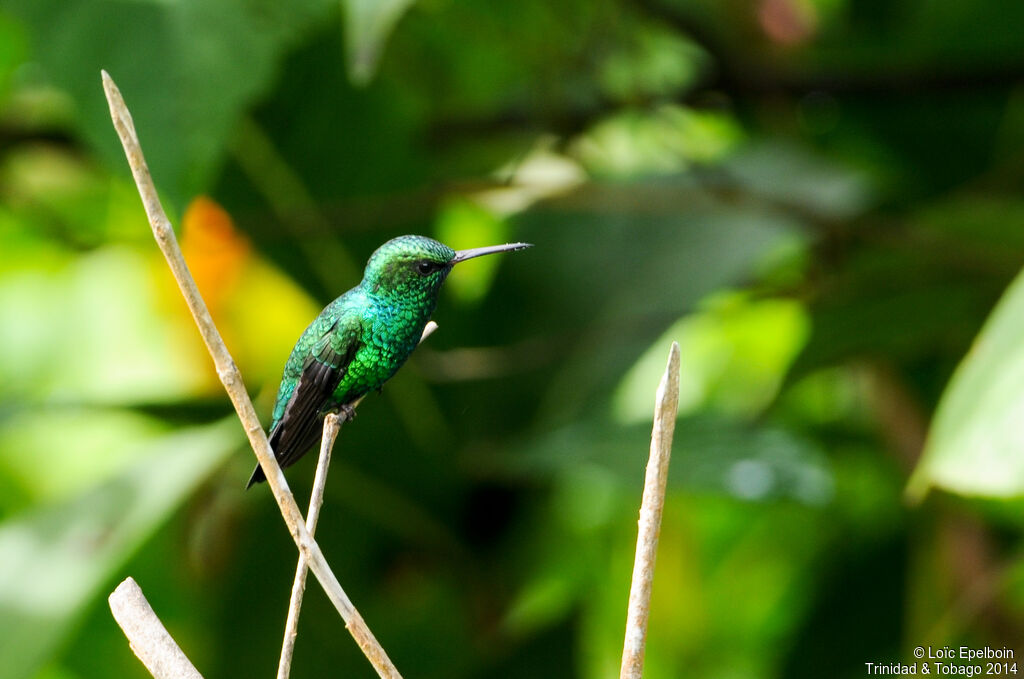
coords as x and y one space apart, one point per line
474 59
539 173
975 442
57 195
54 562
463 224
735 353
654 62
12 51
668 139
54 671
795 176
367 27
543 600
894 301
1013 584
95 328
836 395
990 226
55 453
710 454
616 264
187 70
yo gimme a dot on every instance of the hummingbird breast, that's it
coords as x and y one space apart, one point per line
390 333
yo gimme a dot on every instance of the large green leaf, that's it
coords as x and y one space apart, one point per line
187 70
55 561
976 442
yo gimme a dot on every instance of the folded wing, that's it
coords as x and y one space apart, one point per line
302 422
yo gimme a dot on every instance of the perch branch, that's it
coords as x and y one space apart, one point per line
332 425
232 380
147 635
666 406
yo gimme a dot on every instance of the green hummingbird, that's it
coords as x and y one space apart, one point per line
361 339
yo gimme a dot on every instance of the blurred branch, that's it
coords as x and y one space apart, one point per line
665 412
332 425
743 68
902 421
147 636
232 380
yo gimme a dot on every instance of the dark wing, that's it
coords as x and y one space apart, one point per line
302 422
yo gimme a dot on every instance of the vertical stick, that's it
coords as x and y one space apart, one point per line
666 406
332 425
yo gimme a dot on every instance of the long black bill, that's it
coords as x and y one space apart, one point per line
463 255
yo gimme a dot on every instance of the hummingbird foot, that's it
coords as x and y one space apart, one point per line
348 413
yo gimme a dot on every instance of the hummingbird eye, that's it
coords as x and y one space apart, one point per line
426 267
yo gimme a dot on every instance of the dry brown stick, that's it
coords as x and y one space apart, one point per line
232 380
332 425
147 636
665 409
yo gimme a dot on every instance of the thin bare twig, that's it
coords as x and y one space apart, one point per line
332 425
232 380
147 635
666 407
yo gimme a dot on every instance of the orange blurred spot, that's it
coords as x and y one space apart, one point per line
214 250
258 310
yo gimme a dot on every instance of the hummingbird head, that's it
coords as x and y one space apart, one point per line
412 268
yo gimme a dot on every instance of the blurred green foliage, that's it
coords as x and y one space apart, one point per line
819 199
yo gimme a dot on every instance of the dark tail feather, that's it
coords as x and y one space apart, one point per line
257 477
288 449
257 474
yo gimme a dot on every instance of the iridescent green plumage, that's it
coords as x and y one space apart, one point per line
360 339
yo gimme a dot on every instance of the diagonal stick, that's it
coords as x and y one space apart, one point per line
332 425
232 380
665 410
147 636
